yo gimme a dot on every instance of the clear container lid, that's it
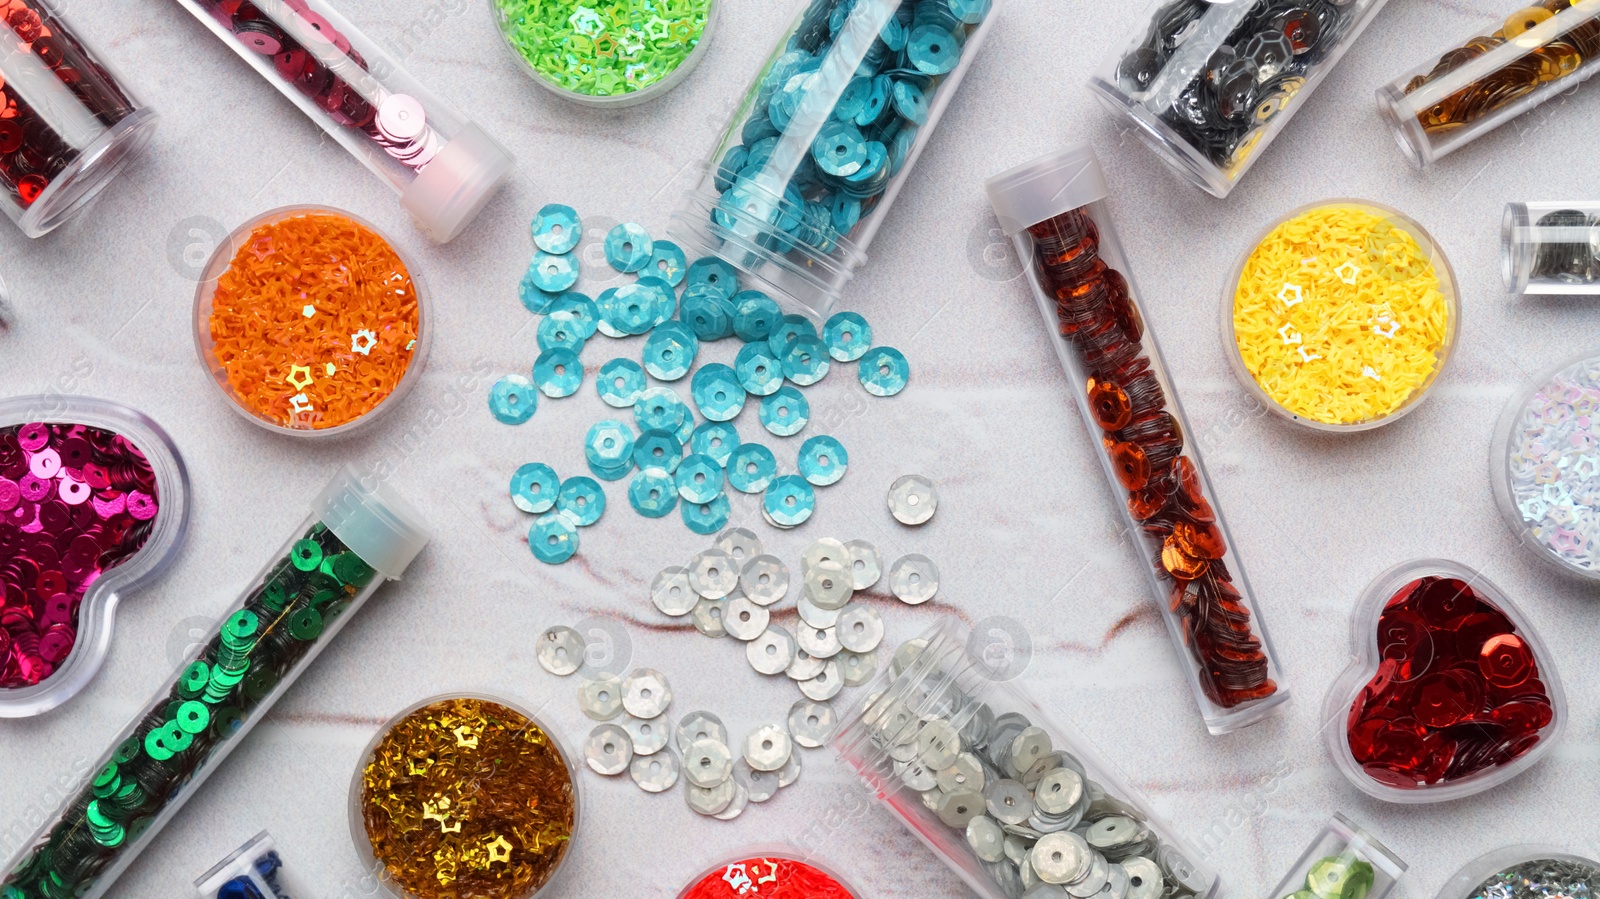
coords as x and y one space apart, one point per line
1524 872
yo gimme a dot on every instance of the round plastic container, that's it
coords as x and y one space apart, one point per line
1410 669
763 869
1551 248
97 607
504 22
220 262
824 140
358 830
940 698
71 124
1357 263
1465 883
1544 468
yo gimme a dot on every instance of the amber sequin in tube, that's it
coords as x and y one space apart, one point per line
465 797
1053 210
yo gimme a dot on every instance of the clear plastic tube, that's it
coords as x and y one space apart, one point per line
1344 860
355 539
1510 67
1551 248
1211 84
71 123
954 750
254 866
1053 208
825 139
444 167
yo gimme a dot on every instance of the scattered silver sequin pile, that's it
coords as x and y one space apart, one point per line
1033 816
1554 465
1542 878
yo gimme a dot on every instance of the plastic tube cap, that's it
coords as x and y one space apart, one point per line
454 186
1046 187
374 522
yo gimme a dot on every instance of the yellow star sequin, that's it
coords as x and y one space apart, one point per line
499 850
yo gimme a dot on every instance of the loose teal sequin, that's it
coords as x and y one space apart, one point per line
533 299
699 479
668 262
661 408
534 488
788 329
708 315
707 518
752 468
621 381
759 372
754 315
713 275
823 460
664 298
581 500
789 501
551 273
558 373
716 439
609 450
805 362
670 350
717 393
884 371
848 336
560 331
513 399
553 539
786 412
658 449
628 310
629 247
653 493
582 309
556 229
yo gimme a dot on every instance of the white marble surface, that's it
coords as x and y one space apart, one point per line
1026 530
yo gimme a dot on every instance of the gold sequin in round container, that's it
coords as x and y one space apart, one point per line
311 322
1209 84
1341 315
1545 466
1551 248
952 742
465 796
1524 872
1054 211
1344 861
1508 67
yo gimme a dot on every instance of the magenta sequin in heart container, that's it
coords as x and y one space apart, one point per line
94 501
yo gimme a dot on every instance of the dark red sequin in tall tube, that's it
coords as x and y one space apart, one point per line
1053 210
68 126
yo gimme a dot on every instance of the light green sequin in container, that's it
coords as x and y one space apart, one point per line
607 53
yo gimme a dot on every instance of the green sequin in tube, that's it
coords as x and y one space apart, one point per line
355 539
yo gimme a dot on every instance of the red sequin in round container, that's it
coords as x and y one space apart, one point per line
770 873
68 125
1451 694
94 501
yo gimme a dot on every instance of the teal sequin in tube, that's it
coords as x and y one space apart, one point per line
263 643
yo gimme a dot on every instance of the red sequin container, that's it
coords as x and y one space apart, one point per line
94 502
68 125
1451 692
1054 210
770 872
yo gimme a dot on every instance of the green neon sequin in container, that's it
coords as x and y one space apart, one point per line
354 540
607 53
825 139
1343 862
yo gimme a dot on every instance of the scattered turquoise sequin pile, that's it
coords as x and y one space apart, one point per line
781 354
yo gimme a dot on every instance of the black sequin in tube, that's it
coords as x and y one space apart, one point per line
1551 248
267 639
1054 210
1209 85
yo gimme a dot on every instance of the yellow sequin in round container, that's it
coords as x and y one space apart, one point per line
1341 316
464 796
